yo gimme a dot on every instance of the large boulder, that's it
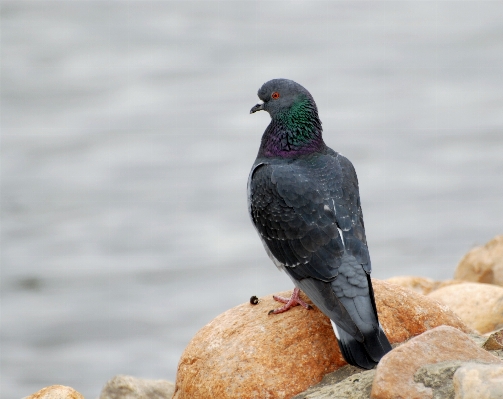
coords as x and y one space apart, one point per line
483 264
247 353
479 305
56 392
396 372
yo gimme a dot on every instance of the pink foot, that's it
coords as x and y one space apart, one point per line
294 300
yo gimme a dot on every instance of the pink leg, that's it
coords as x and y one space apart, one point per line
294 300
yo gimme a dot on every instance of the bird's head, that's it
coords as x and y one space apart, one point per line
280 96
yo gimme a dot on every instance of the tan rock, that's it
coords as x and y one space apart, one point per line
445 283
422 285
478 381
56 392
395 372
246 353
479 305
483 264
405 314
128 387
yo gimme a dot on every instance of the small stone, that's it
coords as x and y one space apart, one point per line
479 381
246 353
479 305
56 392
483 264
395 372
494 342
128 387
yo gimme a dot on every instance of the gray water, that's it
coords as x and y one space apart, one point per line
126 145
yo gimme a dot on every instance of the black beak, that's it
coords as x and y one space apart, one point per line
258 107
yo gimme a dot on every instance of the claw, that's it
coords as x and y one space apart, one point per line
294 300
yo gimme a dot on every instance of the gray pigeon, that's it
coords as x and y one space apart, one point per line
303 200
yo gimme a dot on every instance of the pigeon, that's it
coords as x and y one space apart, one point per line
304 202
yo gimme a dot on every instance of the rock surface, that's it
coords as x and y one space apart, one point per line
478 381
483 264
438 377
356 386
128 387
247 353
479 305
422 285
56 392
395 372
405 314
348 382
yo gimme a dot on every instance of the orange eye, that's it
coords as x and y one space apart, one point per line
275 95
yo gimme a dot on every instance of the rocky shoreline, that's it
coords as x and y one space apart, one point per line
447 338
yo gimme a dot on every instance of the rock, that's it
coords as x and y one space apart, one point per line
478 381
438 377
348 382
479 305
128 387
356 386
445 283
395 372
405 314
421 285
494 342
56 392
483 264
247 353
480 340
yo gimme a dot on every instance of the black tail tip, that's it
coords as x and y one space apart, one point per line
363 355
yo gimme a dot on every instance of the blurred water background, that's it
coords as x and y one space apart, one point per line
126 143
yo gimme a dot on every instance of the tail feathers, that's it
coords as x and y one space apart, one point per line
364 354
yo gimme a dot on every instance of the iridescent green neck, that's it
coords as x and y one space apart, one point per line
293 131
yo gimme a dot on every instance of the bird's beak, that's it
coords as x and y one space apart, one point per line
258 107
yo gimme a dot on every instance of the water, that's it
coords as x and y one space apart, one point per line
126 145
